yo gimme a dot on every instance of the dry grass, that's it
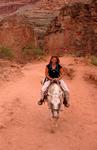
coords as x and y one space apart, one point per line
6 53
29 52
94 60
91 78
69 73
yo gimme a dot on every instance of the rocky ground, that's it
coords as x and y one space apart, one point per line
25 125
9 71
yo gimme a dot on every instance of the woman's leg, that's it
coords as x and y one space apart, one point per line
66 92
44 88
64 86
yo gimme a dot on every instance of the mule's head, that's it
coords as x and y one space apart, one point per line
55 102
54 99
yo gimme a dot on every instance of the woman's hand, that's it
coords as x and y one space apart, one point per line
57 79
50 78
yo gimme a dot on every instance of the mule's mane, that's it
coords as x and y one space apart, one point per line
54 88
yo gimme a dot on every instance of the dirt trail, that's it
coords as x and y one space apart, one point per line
26 126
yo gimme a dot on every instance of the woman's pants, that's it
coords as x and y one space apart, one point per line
63 85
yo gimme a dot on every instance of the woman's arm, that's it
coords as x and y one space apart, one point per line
61 74
46 74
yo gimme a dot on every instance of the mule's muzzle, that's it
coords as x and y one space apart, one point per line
55 107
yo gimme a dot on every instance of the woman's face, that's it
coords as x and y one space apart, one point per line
54 60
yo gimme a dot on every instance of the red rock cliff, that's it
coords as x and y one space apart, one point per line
74 29
49 24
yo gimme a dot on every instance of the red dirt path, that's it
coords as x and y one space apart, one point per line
26 126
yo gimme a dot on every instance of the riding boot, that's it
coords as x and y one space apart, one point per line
41 101
66 100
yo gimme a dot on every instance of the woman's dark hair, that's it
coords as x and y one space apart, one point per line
58 61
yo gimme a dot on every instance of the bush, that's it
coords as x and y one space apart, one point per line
91 77
6 53
29 46
37 52
94 60
27 51
78 53
31 52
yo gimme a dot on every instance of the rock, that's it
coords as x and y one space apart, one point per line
74 29
26 26
49 25
10 6
2 126
15 33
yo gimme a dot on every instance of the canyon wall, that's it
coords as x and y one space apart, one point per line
49 24
25 26
74 29
10 6
15 33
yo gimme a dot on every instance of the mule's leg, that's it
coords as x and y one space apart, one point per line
54 124
55 119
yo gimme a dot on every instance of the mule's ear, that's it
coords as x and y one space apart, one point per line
49 94
42 81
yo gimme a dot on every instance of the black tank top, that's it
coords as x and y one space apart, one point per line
54 73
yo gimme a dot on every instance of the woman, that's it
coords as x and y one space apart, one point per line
54 71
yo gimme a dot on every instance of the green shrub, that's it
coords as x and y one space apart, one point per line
30 51
38 52
27 51
78 53
29 46
94 60
6 53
